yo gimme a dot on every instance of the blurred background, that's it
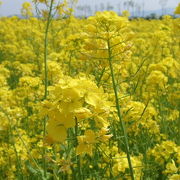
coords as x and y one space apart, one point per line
137 8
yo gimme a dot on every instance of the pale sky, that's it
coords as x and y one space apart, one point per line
11 7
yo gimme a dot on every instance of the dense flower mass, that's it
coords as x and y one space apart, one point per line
93 65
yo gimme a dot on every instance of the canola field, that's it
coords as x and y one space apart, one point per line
89 99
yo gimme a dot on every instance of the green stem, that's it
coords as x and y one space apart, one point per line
118 110
46 78
78 156
46 49
69 63
101 75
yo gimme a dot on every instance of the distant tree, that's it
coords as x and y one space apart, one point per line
138 9
96 8
163 5
125 5
129 5
143 4
152 16
102 7
109 7
132 5
89 10
119 7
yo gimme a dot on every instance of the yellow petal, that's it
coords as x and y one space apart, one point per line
56 132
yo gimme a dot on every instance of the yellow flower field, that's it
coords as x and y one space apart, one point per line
89 99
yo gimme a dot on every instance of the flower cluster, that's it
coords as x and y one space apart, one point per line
75 132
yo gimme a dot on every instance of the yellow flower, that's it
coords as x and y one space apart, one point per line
56 132
102 136
170 168
84 148
86 143
177 11
174 177
82 113
26 9
93 99
157 79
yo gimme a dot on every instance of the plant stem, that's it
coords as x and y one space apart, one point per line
101 75
78 156
46 49
46 78
118 110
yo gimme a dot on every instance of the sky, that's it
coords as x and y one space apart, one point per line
12 7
